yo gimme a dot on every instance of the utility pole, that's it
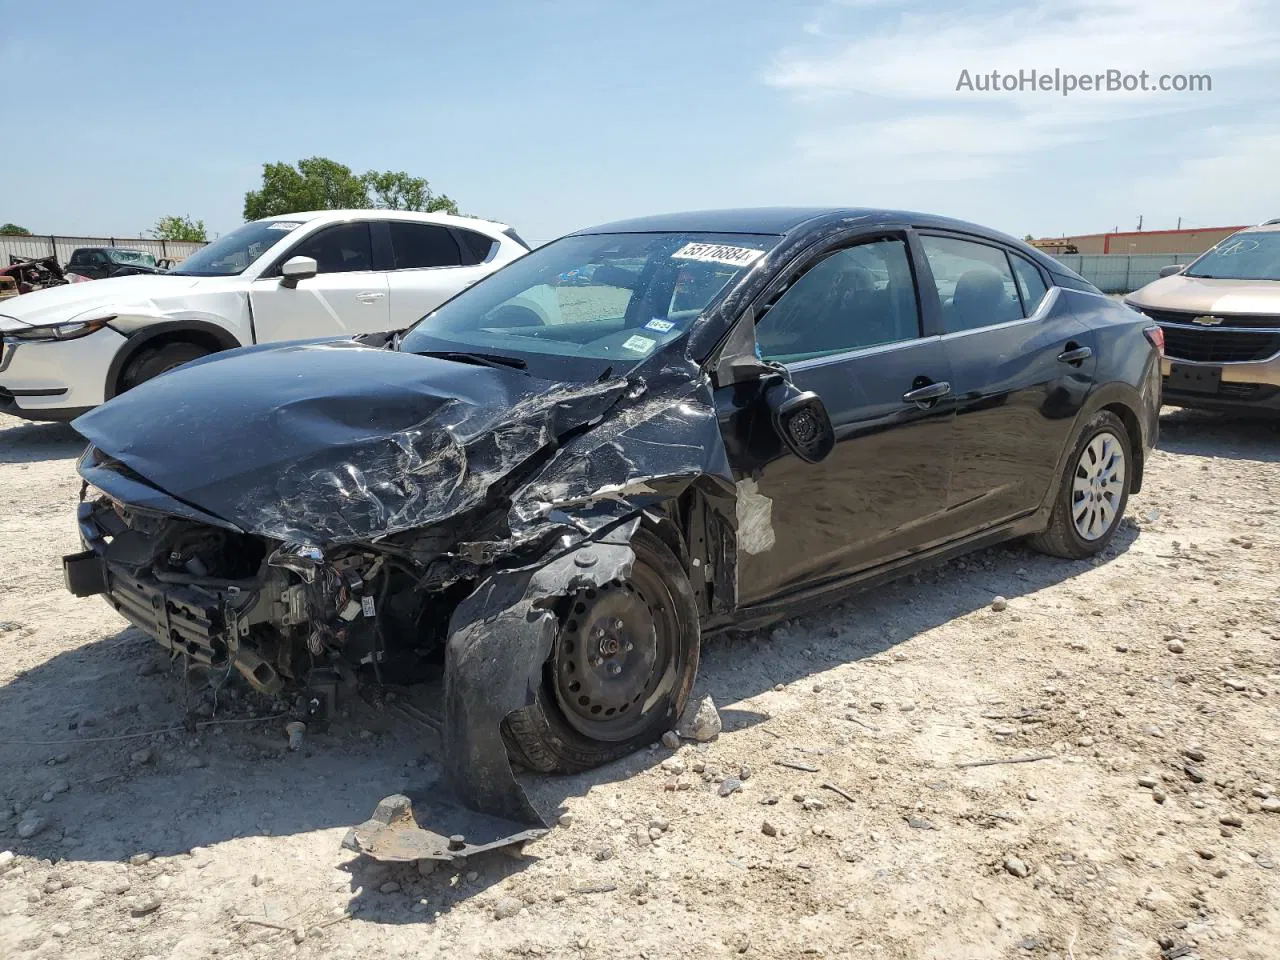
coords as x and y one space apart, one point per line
1139 223
1179 223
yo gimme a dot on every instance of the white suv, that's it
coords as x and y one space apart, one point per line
330 273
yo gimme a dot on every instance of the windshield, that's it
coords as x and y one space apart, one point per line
232 253
131 257
1245 256
598 297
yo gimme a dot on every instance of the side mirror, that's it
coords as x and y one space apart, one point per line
801 420
298 268
1172 269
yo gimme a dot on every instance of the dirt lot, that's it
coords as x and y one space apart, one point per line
1149 683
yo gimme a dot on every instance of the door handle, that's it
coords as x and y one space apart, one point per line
1075 355
927 394
370 296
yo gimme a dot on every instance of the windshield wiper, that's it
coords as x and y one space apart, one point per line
481 359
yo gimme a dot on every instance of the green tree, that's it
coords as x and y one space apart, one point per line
319 183
179 228
396 190
13 230
314 184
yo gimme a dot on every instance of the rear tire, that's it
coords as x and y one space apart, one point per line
153 361
1093 493
621 670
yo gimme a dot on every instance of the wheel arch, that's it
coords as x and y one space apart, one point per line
202 333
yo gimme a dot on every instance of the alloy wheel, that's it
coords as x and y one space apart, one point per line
1098 486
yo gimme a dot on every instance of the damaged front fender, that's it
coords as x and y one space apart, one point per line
499 638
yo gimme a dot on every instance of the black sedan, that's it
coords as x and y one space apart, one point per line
556 483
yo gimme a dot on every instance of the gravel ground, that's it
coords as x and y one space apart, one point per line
1143 689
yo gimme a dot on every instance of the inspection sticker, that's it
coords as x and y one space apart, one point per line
662 326
284 225
718 253
638 344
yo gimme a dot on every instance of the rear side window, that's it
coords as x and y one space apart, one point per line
974 283
418 245
1030 284
475 247
342 248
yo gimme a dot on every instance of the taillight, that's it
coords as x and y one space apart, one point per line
1156 336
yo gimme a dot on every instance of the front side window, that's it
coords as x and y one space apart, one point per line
604 297
1030 284
419 245
859 297
342 248
1253 255
232 253
974 283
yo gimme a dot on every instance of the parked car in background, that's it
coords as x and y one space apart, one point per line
1220 316
559 481
99 263
305 275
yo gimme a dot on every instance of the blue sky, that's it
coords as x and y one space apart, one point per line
554 115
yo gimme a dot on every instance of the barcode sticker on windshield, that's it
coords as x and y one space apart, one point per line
718 253
662 326
638 344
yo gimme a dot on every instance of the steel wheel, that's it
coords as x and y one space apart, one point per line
1098 486
615 657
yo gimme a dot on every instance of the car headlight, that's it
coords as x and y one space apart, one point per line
59 331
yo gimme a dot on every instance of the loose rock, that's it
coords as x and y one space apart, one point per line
671 740
701 721
31 826
1271 805
148 903
1177 646
1016 867
729 785
507 907
768 829
999 603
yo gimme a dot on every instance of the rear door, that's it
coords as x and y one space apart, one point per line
848 327
1021 365
430 263
347 295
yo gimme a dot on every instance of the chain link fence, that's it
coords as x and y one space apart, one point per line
38 247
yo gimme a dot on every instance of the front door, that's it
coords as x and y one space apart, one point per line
849 329
1021 366
346 296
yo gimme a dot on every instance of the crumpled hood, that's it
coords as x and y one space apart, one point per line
97 297
327 442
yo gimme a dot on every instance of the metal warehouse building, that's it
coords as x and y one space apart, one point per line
1132 242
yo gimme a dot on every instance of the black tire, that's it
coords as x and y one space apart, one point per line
1062 538
153 361
567 732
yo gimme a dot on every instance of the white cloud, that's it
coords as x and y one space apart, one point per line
896 70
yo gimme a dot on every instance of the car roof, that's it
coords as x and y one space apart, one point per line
474 223
781 221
